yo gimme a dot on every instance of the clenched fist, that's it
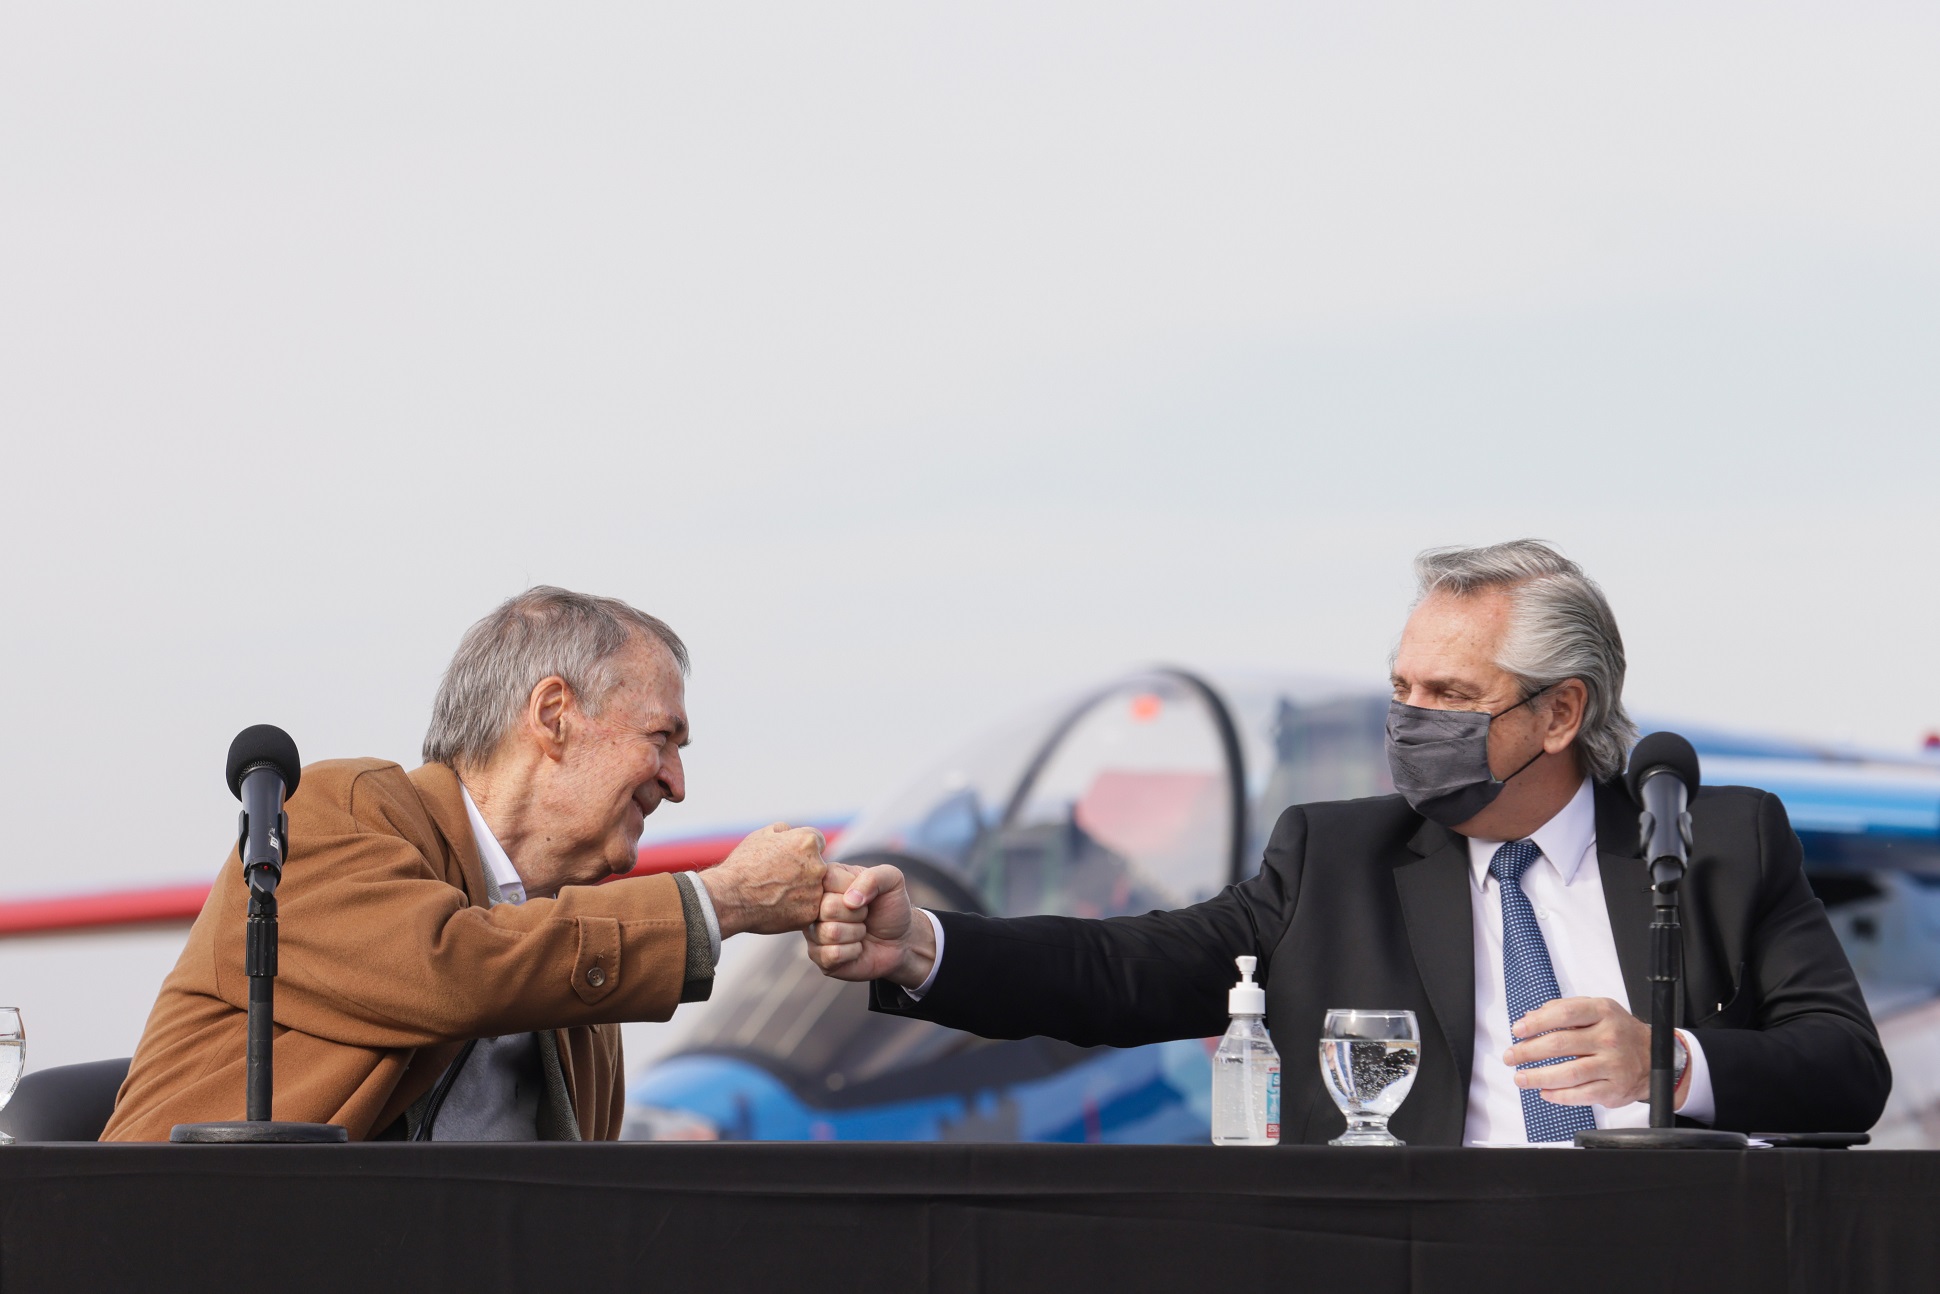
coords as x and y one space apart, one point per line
868 930
771 883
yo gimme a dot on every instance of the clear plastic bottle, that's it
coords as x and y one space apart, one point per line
1246 1070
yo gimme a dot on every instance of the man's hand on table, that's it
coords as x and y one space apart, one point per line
869 930
771 883
1611 1049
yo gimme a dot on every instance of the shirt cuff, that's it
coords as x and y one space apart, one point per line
916 994
707 914
1700 1103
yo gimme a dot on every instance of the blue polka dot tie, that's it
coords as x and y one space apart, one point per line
1531 981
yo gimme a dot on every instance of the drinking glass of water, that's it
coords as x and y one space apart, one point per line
1368 1060
13 1056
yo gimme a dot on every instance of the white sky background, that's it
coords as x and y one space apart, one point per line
916 361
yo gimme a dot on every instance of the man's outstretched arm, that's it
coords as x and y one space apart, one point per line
1121 981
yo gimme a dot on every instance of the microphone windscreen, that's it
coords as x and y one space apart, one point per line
265 743
1662 750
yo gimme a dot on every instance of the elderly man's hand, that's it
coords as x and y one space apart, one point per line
771 883
868 929
1611 1049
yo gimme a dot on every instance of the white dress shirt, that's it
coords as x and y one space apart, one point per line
511 886
1565 887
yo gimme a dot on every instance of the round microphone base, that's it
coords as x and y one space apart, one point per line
1661 1139
256 1132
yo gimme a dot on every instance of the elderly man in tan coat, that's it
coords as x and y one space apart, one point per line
449 969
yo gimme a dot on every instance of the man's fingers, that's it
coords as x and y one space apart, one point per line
1571 1073
762 843
801 834
830 956
871 882
1559 1042
835 932
835 907
1560 1013
862 888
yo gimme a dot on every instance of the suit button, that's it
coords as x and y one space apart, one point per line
596 977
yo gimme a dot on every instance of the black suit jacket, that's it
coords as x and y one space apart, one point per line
1364 903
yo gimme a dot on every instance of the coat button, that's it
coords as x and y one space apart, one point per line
595 976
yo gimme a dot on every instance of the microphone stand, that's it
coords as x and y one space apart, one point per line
1666 969
259 963
263 843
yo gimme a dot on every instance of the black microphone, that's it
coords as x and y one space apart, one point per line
263 771
263 768
1663 778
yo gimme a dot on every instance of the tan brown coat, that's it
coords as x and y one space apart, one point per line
390 958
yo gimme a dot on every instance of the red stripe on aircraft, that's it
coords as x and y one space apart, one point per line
170 903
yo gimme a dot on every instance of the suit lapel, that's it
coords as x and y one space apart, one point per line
1434 890
443 795
557 1121
1626 892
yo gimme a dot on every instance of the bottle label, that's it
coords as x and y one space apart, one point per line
1273 1102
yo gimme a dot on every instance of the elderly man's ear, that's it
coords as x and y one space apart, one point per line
546 715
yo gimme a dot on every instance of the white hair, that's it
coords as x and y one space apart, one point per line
542 632
1560 627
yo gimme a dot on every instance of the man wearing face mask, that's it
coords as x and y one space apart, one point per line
1498 895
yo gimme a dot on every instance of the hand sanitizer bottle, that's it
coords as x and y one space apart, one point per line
1246 1070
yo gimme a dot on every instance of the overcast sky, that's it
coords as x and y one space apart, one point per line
916 361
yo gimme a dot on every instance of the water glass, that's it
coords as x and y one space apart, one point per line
1368 1061
13 1057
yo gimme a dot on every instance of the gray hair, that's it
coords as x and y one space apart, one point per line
542 632
1560 627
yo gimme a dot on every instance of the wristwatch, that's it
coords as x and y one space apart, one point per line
1683 1060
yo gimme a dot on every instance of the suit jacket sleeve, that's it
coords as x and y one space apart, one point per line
380 950
1120 981
1808 1058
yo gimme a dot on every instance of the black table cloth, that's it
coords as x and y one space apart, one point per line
882 1217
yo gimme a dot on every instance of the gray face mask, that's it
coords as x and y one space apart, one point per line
1440 759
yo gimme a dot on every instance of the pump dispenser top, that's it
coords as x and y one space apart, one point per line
1246 997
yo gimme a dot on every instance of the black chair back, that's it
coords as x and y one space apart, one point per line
65 1103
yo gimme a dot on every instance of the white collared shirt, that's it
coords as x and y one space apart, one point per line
1565 887
511 886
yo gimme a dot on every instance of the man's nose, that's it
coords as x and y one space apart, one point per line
673 776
